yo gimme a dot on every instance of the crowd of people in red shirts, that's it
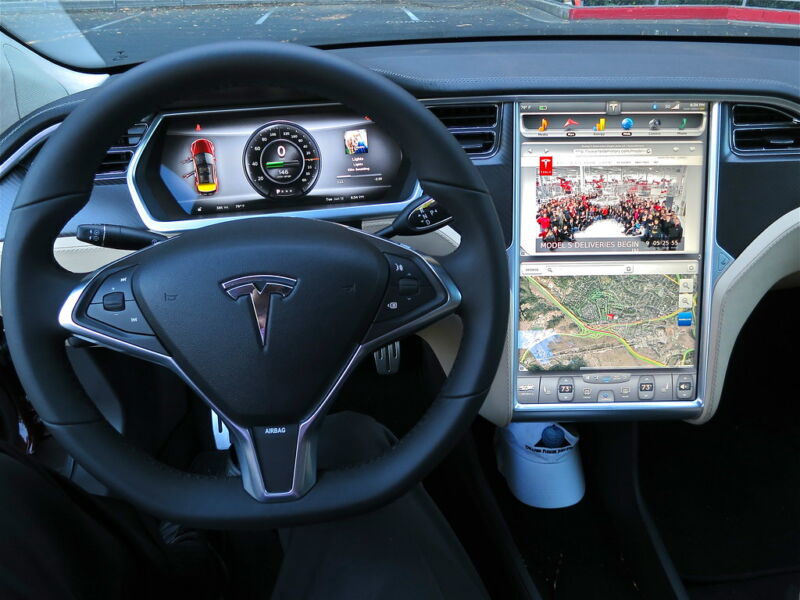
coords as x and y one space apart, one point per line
653 222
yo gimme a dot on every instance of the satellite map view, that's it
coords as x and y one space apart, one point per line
606 321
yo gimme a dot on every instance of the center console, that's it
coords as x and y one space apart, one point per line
608 257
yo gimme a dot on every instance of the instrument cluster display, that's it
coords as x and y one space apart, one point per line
233 161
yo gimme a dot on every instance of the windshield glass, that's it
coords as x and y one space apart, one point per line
94 34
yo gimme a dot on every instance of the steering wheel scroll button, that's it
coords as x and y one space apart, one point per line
115 301
408 286
276 447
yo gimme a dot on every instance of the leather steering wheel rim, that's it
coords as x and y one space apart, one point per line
34 286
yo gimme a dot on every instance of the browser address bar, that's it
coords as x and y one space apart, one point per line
554 270
612 151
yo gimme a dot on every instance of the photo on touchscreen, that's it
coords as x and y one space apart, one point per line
637 208
611 198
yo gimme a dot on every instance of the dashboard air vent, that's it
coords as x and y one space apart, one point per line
119 155
475 126
763 129
477 142
466 115
754 114
116 161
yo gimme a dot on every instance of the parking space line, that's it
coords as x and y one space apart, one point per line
522 14
545 18
266 15
411 15
96 27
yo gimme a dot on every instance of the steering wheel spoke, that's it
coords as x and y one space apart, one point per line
278 462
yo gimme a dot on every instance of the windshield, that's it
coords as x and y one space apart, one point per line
94 34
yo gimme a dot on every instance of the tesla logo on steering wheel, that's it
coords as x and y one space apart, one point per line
260 289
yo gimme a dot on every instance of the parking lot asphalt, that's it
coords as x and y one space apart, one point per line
134 34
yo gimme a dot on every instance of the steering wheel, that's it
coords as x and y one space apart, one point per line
240 309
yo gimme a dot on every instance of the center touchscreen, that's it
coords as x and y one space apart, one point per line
610 236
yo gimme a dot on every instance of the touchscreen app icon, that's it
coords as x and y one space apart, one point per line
570 123
600 126
543 126
545 165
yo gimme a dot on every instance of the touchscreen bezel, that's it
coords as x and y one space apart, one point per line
682 408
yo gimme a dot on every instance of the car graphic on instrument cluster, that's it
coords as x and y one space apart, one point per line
205 167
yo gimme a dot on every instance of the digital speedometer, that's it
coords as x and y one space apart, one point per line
282 160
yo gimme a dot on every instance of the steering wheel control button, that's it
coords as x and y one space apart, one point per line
408 286
129 319
647 387
409 289
684 387
528 390
276 447
114 302
116 282
401 267
566 389
605 396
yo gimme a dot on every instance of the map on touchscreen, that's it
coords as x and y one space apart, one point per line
575 317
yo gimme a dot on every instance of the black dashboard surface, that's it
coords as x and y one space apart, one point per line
581 66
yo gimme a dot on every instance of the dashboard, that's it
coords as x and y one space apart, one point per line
641 229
